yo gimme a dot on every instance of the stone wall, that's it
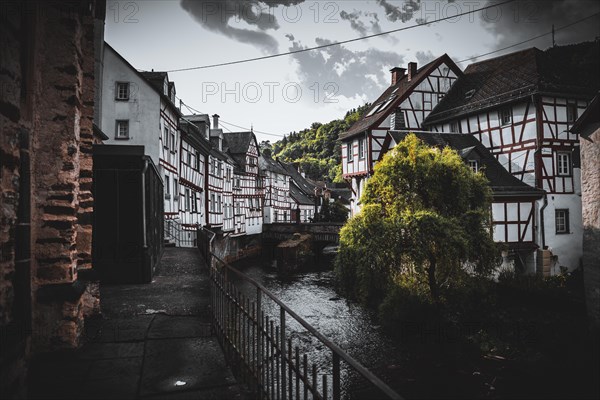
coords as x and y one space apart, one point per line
46 118
590 196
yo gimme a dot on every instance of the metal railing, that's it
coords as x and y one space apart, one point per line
263 352
172 231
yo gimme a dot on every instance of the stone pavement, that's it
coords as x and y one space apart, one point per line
153 341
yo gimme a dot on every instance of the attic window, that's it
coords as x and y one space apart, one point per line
474 165
469 94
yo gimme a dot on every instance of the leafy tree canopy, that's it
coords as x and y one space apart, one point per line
425 223
317 149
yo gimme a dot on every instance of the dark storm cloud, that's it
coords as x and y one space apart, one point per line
356 21
347 69
525 19
400 11
217 16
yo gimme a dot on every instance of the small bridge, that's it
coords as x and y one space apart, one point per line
321 231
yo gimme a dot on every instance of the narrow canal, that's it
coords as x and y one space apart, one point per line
311 294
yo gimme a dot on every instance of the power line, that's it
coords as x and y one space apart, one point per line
338 43
254 130
193 110
530 39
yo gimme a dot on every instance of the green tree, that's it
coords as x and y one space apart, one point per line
425 224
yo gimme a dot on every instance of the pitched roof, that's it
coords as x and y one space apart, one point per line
266 163
589 121
562 69
156 79
397 93
304 185
299 196
502 182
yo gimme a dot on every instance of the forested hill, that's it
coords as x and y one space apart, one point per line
317 149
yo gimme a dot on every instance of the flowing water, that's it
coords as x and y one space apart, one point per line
312 295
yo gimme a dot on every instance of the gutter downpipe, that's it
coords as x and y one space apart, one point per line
144 238
543 231
537 158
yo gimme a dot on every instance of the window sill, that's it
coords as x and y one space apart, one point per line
122 138
116 99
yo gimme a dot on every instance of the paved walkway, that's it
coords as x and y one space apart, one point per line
153 341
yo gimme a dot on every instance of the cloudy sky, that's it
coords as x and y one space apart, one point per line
288 93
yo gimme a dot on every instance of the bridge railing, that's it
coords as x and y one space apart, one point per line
274 360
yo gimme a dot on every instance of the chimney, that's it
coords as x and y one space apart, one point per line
215 121
412 70
397 74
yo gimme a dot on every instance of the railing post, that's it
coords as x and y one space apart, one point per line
336 376
282 349
258 339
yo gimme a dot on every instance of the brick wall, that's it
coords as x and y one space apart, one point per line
590 197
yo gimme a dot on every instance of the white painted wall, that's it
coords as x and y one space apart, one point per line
142 109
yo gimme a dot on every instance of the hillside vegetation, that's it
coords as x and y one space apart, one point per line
317 149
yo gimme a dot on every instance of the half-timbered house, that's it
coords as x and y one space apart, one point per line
514 202
277 204
219 188
195 149
521 106
303 195
413 93
248 194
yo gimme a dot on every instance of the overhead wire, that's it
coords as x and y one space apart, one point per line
306 49
194 110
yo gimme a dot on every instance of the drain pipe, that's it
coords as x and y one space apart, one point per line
543 231
144 238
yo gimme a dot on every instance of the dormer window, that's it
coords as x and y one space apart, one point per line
474 165
505 116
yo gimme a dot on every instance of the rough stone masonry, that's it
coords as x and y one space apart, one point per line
46 203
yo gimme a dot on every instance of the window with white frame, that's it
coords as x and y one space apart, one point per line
167 187
122 91
505 116
194 202
122 129
173 148
176 189
474 165
211 206
563 162
361 148
219 204
166 138
562 220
